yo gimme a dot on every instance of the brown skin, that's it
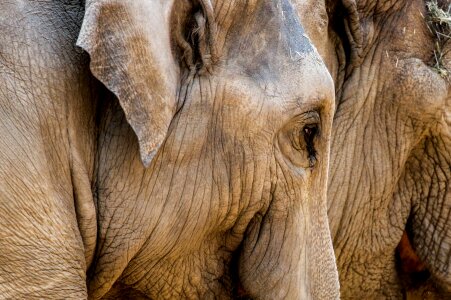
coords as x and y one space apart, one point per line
391 139
46 152
199 171
230 181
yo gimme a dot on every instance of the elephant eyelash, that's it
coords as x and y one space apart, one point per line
309 133
303 139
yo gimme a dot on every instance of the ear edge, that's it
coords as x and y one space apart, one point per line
102 44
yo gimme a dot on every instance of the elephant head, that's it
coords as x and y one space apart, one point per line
390 163
229 107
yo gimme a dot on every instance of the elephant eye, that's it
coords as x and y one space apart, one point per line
310 132
299 139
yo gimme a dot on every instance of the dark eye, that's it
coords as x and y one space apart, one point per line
299 140
310 131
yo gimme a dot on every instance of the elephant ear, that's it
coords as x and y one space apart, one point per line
430 220
131 46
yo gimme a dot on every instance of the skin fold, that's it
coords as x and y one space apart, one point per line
180 151
390 163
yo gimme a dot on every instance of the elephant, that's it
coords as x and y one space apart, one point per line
163 149
389 196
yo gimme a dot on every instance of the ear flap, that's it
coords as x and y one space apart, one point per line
347 38
352 25
130 45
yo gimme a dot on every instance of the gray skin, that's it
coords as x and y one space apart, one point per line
390 167
191 169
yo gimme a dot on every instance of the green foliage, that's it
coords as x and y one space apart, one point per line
439 23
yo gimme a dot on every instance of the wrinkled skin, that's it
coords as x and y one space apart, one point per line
390 166
195 168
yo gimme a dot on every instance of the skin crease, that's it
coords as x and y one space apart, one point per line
226 181
233 197
390 153
43 148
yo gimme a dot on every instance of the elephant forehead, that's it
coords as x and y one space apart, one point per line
261 105
269 28
297 42
419 89
272 50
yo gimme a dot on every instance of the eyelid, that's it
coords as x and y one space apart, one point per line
311 117
308 118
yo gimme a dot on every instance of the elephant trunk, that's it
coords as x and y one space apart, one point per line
322 268
288 254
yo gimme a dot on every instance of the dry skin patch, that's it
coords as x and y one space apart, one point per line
439 23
